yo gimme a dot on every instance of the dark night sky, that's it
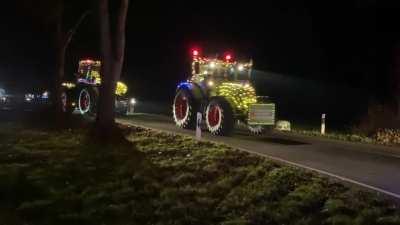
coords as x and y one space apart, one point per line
345 42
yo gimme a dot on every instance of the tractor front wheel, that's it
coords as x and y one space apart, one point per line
219 117
184 110
66 103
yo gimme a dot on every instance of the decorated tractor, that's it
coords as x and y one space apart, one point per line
83 94
221 90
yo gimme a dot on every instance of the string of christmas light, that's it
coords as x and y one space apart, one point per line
240 95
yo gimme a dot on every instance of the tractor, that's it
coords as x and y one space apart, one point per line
82 95
220 89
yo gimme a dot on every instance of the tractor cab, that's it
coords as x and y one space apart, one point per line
89 72
213 69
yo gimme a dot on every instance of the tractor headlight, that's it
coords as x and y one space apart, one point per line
45 95
240 67
132 101
29 97
210 83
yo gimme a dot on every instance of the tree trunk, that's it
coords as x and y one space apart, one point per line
395 79
62 40
112 50
60 65
60 72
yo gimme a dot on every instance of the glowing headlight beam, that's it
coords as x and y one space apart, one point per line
29 97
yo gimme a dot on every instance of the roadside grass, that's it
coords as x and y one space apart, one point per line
337 135
388 137
63 177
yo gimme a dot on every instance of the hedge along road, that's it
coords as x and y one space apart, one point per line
370 166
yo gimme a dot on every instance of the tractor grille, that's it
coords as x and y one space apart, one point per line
262 114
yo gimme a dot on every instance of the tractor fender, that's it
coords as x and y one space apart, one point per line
194 89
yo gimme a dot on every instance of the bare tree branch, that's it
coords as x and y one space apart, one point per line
73 30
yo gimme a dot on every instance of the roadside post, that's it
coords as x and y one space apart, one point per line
131 107
198 126
323 123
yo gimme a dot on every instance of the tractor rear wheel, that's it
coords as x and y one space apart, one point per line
184 109
219 117
87 101
66 103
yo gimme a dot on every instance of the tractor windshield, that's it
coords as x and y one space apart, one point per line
240 72
208 68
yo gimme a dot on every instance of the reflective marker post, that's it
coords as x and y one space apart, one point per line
131 107
130 110
198 126
323 123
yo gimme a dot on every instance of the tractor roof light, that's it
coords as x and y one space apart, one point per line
86 61
228 57
196 53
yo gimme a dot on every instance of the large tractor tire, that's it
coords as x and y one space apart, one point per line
219 117
87 101
185 109
66 102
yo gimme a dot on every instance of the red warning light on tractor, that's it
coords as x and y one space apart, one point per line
228 57
195 52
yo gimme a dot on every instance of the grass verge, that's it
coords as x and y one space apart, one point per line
337 136
62 177
388 137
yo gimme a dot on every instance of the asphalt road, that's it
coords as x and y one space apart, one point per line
370 166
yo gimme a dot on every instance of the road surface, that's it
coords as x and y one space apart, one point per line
370 166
